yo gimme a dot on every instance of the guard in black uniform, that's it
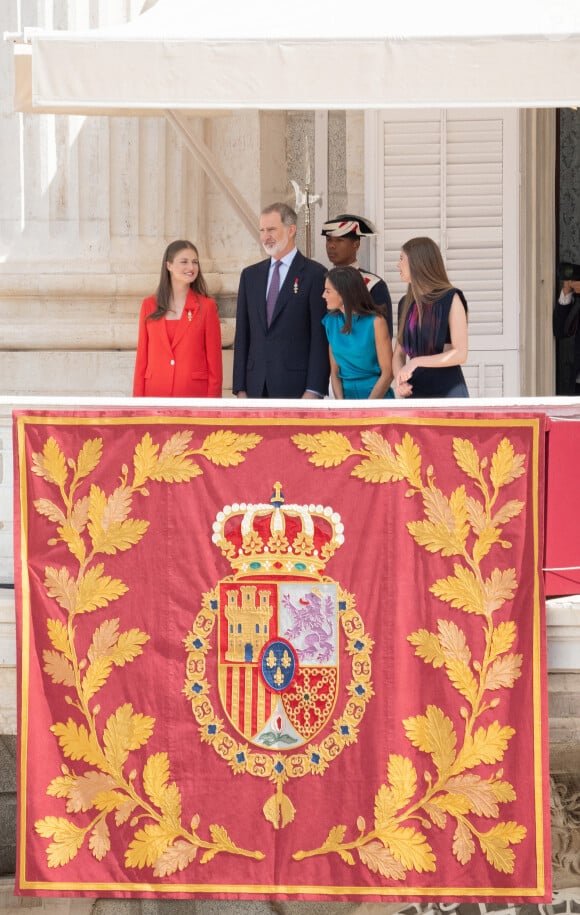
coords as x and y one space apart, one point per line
343 235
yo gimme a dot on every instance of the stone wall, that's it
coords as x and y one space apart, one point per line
88 206
569 189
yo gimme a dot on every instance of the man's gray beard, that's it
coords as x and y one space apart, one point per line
273 251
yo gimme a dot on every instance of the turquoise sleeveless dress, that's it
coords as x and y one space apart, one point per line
355 354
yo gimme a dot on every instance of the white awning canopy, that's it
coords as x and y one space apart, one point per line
323 54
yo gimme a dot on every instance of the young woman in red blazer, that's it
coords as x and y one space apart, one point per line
179 351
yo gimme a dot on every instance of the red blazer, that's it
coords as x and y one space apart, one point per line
191 366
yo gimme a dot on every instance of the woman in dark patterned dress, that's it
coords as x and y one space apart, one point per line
431 343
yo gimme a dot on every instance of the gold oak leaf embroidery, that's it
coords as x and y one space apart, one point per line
326 449
225 448
467 525
94 524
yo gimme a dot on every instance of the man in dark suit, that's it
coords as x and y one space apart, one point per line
343 235
566 325
280 348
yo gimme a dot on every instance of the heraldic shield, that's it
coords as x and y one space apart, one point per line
278 659
278 627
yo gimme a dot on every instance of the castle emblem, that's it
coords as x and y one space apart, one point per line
283 629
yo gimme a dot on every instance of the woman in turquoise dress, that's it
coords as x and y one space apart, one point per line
360 345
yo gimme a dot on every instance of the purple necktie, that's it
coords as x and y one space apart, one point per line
273 291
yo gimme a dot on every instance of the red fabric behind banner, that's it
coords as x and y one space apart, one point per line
562 562
284 654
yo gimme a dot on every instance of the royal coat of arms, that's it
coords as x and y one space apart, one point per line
279 627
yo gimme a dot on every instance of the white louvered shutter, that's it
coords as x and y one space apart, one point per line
454 175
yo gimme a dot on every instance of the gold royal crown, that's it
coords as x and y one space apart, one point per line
272 538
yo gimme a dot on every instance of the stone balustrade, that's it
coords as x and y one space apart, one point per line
76 335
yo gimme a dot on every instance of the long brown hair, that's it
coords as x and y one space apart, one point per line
429 280
163 292
355 296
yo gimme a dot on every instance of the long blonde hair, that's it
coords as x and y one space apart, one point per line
429 280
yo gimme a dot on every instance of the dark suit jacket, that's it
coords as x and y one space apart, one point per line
566 325
291 355
191 366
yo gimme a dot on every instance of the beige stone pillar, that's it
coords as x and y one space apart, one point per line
537 251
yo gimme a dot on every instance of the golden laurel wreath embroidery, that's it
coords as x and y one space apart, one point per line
467 526
279 767
109 788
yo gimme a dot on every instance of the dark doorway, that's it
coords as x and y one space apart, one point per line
567 242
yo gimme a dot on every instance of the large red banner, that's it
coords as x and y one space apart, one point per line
282 654
562 544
